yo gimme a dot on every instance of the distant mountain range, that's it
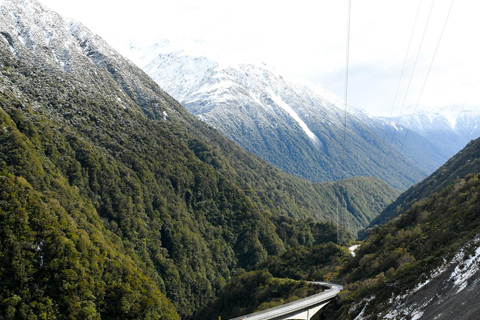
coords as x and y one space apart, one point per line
446 130
296 125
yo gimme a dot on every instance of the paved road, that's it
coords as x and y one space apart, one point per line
297 305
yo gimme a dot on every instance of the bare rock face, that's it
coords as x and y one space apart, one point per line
450 292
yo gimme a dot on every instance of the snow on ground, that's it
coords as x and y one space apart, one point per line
451 118
221 86
353 248
475 128
465 269
394 125
279 101
360 316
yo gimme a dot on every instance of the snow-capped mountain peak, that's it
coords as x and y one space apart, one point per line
291 123
35 34
188 70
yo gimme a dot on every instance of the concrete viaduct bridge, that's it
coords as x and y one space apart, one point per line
302 309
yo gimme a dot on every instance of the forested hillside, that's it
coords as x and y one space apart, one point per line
255 291
112 192
426 256
423 263
57 260
186 225
465 162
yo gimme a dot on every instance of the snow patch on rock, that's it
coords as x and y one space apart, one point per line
466 268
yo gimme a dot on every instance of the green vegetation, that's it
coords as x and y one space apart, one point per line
58 264
465 162
114 204
320 262
255 291
395 257
280 279
117 203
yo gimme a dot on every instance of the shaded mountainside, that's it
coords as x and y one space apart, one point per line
425 258
465 162
426 154
298 127
112 192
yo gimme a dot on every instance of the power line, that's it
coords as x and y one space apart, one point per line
347 60
415 64
426 77
403 68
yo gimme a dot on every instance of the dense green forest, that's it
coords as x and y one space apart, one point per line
255 291
116 203
438 218
160 204
465 162
58 261
280 279
184 225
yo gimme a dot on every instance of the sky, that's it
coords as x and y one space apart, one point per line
392 66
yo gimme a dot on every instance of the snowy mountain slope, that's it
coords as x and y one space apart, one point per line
40 36
297 126
33 32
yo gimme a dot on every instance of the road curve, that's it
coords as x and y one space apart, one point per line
297 305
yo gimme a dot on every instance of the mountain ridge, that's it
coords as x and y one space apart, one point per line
448 129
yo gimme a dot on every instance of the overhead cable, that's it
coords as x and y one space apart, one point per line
426 77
